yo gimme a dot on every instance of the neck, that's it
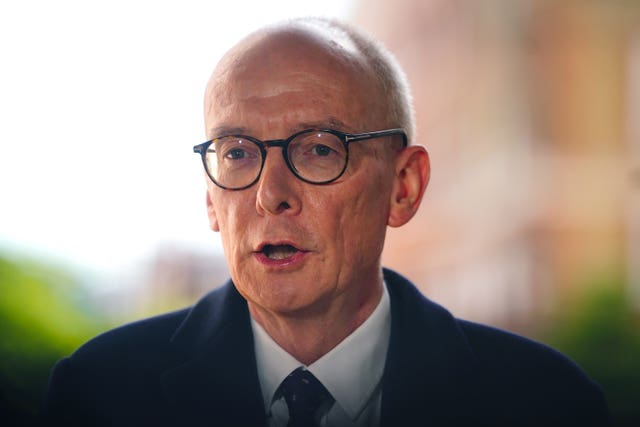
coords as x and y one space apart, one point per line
310 334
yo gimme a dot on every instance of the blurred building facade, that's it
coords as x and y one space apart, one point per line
530 110
177 276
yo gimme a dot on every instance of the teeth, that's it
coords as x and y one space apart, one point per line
279 251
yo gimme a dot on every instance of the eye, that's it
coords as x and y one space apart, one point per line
321 150
236 154
234 150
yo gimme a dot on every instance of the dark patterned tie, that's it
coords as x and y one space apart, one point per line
304 394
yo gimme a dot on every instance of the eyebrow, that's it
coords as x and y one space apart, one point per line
227 130
330 122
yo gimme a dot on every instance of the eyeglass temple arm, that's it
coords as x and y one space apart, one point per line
200 148
378 134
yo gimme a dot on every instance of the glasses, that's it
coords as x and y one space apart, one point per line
235 162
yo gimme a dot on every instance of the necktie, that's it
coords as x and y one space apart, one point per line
304 394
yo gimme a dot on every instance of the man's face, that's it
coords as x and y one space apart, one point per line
294 247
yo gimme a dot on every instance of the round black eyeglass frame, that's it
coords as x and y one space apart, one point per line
346 138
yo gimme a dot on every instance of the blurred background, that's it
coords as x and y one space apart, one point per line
530 110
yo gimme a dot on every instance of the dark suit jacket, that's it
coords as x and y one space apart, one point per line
197 367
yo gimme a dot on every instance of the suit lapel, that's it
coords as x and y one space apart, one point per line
430 368
217 385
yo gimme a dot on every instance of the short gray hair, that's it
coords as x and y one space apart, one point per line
385 67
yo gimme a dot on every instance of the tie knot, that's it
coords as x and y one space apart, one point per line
304 394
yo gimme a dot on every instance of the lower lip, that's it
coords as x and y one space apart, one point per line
288 262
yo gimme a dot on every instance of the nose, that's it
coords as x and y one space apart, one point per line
278 190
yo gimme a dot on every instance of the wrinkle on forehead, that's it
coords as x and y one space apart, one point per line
260 113
270 55
300 95
292 85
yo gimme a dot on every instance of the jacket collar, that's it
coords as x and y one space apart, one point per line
430 366
217 383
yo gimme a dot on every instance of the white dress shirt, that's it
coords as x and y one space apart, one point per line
351 372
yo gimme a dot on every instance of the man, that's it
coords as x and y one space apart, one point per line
307 164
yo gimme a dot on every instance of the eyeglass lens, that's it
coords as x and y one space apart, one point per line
235 161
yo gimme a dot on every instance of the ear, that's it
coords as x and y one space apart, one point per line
211 211
412 171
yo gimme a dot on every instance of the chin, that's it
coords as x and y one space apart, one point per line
292 304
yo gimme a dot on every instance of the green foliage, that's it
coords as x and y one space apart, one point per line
602 334
42 318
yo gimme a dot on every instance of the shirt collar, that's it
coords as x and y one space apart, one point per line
351 371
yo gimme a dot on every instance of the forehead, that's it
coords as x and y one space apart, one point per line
291 74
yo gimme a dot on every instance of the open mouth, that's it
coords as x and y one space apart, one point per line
279 251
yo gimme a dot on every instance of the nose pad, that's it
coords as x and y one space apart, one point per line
278 188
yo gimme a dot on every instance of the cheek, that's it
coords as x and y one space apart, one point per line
362 223
370 227
231 213
233 234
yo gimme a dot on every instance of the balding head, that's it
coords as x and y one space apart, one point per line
328 51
